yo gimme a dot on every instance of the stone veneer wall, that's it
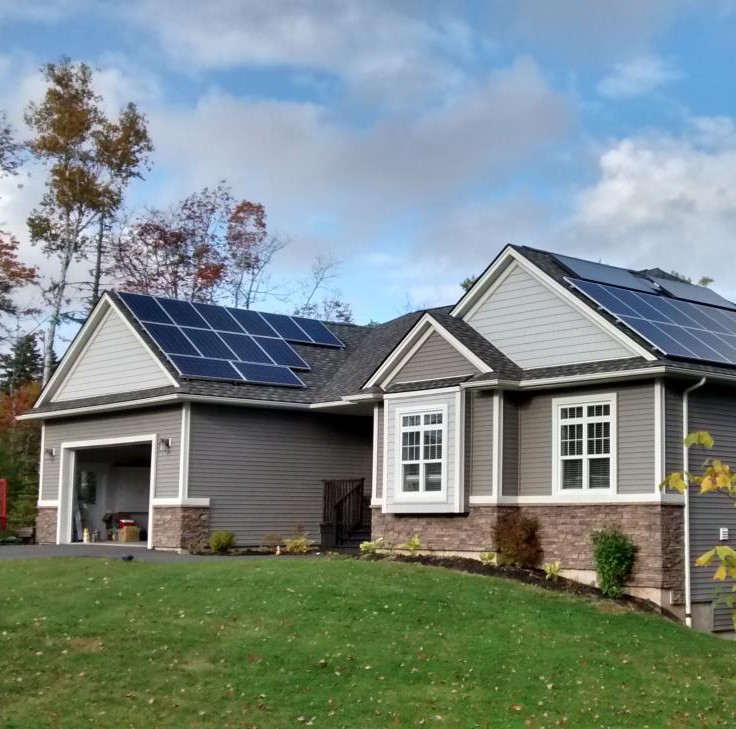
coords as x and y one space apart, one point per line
564 530
46 526
176 527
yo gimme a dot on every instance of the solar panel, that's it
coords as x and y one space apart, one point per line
216 369
677 328
263 374
601 273
145 308
318 331
218 318
208 343
170 339
288 328
246 349
183 313
253 322
281 352
689 292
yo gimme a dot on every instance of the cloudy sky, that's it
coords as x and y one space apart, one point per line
414 139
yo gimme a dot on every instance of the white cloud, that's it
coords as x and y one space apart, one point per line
637 77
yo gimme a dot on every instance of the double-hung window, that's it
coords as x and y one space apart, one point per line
585 443
422 452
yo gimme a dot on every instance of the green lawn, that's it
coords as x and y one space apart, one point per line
289 643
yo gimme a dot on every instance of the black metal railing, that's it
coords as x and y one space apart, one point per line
343 507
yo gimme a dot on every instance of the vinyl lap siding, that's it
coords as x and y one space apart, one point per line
434 360
673 427
378 445
636 440
712 409
114 361
165 423
510 445
263 469
535 446
536 328
479 444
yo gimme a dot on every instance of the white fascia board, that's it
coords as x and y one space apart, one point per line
483 287
107 407
412 342
592 499
420 393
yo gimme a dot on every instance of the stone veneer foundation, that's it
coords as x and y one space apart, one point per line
564 532
177 527
46 526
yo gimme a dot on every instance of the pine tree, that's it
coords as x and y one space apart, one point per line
21 366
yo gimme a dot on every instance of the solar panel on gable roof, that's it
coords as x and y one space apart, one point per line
170 339
286 327
602 273
216 369
208 343
698 294
183 313
263 374
318 331
253 322
218 318
145 308
282 353
245 348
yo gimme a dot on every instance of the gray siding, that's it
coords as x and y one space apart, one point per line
479 443
712 409
673 426
535 327
263 469
114 361
164 422
378 445
434 360
510 445
534 442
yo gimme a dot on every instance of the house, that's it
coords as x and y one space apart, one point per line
556 387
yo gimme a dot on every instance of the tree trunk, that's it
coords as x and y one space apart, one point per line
57 302
97 273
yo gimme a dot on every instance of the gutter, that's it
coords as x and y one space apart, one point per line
686 468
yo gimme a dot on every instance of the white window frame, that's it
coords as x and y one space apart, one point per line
558 403
420 496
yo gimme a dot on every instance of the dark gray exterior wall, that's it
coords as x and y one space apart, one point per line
713 409
479 443
434 360
163 422
673 425
528 419
263 469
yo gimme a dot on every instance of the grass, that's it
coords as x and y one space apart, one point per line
289 643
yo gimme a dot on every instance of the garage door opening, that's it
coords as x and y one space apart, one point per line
111 494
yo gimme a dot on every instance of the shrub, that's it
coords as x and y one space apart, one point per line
221 542
297 545
517 540
614 555
412 546
551 570
489 559
374 548
271 541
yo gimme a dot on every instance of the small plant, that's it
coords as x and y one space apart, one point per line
552 570
374 548
412 546
221 542
517 540
297 545
489 559
271 541
614 555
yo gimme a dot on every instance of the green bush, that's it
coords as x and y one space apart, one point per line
374 548
517 540
614 555
221 542
489 559
298 545
552 570
412 546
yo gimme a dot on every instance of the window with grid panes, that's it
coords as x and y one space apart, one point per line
422 452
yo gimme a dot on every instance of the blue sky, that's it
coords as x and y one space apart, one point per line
412 140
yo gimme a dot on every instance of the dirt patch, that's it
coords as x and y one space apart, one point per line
86 645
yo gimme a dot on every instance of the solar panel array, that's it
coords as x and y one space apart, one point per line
221 343
677 328
601 273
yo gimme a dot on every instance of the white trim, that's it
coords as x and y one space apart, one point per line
594 498
482 501
205 502
113 406
459 452
474 298
420 393
330 404
414 340
659 435
41 462
374 455
67 468
420 497
47 504
186 420
497 446
608 398
384 494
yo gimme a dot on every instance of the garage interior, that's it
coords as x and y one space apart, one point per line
112 494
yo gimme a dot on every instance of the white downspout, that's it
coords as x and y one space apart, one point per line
686 468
